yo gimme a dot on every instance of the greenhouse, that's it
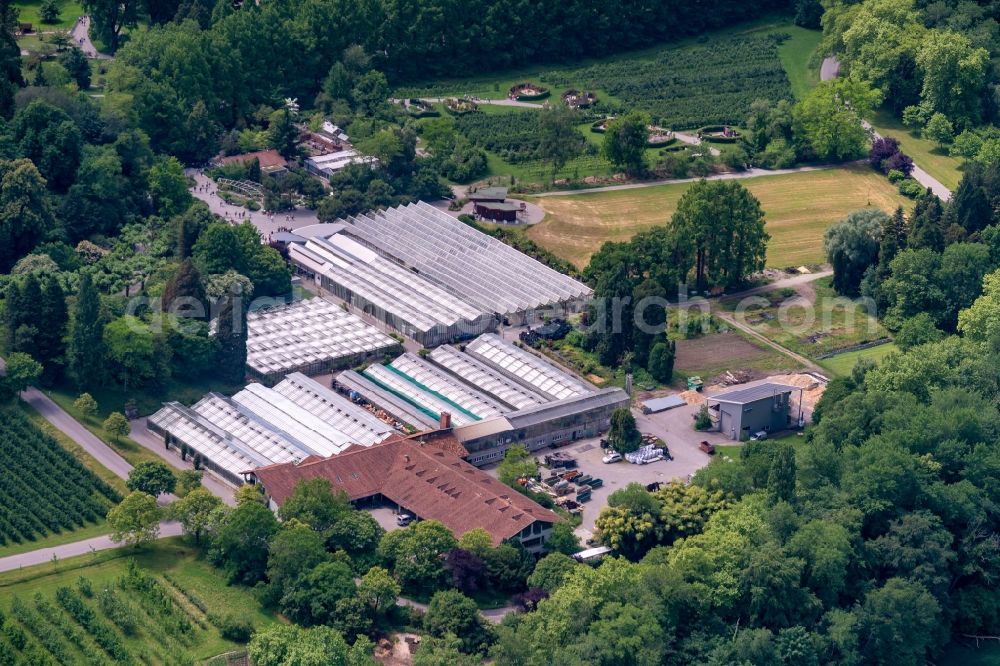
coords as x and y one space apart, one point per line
262 426
313 337
537 373
400 298
430 276
477 373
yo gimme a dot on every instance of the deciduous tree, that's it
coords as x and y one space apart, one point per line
152 477
136 520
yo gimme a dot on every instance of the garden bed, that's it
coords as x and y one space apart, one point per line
457 107
527 92
719 134
575 99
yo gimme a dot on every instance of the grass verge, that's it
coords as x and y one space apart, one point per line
842 364
930 158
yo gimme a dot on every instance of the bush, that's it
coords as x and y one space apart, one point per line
232 627
702 421
895 176
910 188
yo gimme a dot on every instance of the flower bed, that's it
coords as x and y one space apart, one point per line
527 92
719 134
458 107
578 100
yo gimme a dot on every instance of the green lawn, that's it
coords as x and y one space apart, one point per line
69 12
798 209
930 158
177 568
795 54
91 530
842 364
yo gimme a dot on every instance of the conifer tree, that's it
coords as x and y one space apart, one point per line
231 332
86 343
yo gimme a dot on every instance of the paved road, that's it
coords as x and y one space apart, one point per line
734 175
80 34
831 70
72 428
44 555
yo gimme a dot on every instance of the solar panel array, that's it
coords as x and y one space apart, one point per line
311 331
479 268
260 426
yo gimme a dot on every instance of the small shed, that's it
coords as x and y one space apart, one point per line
503 211
741 413
656 405
489 194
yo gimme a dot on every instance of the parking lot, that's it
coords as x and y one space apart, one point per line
675 427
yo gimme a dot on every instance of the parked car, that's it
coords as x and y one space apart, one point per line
758 436
404 519
612 457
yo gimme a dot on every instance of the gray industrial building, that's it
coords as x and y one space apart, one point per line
766 407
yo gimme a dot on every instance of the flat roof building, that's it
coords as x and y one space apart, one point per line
740 413
330 163
313 337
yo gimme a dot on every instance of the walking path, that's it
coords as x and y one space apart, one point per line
44 555
80 34
206 190
733 321
493 102
735 175
831 70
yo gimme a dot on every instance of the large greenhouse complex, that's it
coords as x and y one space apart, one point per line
490 395
429 275
494 393
259 426
313 337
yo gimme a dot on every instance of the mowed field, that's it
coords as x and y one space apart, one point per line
798 209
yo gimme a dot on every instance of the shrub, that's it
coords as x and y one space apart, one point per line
910 188
702 421
895 176
232 627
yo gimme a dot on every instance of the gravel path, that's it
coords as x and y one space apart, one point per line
830 70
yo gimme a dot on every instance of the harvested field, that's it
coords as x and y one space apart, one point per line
798 209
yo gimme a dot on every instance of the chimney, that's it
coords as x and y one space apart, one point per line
445 421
